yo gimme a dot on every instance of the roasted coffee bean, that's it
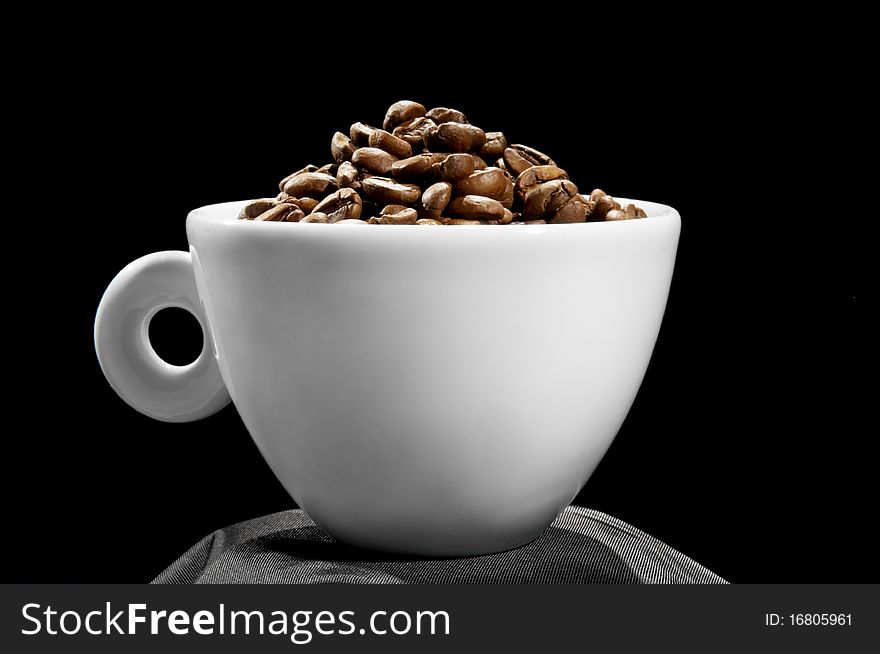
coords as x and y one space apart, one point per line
401 112
547 197
617 205
412 167
389 191
405 216
306 169
460 221
446 115
597 194
602 204
454 167
573 211
500 164
392 208
476 207
255 208
536 175
345 203
328 169
455 137
519 157
360 134
381 139
316 217
494 146
617 214
306 204
413 131
507 219
282 213
347 176
490 183
436 197
352 221
373 159
479 162
428 221
507 196
313 185
341 148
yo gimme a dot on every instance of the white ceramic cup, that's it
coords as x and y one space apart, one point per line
426 390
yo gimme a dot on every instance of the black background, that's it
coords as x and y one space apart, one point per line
749 446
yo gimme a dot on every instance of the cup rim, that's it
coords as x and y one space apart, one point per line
227 213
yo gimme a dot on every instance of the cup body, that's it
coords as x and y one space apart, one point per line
440 391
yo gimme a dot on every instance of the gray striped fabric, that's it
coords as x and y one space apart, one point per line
581 546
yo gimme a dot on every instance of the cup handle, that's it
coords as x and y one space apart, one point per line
140 377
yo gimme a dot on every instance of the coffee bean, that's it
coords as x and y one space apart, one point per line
617 214
597 194
500 164
392 208
313 185
316 217
547 197
412 167
306 169
379 138
446 115
282 213
360 134
490 183
428 221
389 191
306 204
401 112
328 169
413 132
507 196
476 207
454 167
405 216
535 175
602 204
347 176
519 157
341 147
460 221
373 159
436 197
479 162
494 146
255 208
345 203
455 137
573 211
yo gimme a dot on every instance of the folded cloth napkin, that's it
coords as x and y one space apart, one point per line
581 546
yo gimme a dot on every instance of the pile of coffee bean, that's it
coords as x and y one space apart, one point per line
433 168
